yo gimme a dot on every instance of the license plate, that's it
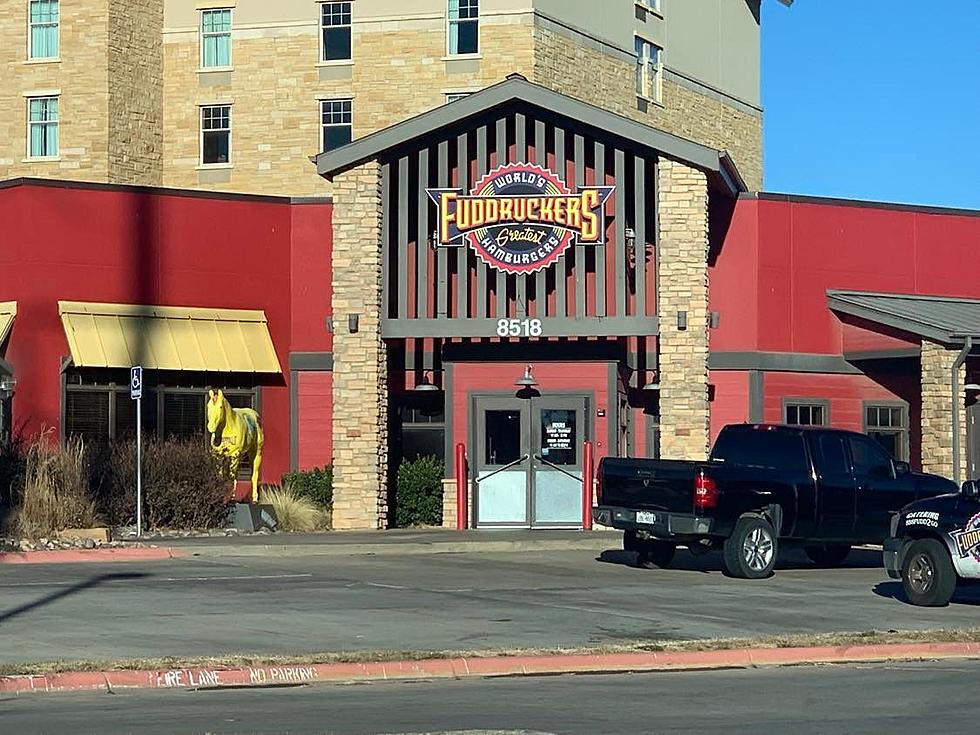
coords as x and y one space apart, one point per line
643 516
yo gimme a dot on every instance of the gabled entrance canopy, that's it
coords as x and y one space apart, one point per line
539 101
937 318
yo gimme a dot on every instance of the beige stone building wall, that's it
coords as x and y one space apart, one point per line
135 80
360 394
80 76
607 79
937 410
399 70
683 278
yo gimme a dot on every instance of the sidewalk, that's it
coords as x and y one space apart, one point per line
400 542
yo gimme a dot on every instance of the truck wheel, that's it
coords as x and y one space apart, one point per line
750 552
655 554
928 576
827 555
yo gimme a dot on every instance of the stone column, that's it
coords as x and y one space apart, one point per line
937 410
360 393
682 286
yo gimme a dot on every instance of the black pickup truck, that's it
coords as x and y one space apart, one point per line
824 488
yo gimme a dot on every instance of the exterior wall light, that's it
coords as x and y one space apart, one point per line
630 237
425 384
352 325
8 384
682 320
527 380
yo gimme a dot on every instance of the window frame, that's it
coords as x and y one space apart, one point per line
31 156
903 430
643 67
202 34
350 30
329 100
450 23
806 402
200 122
30 35
451 97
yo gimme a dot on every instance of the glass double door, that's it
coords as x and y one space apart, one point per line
528 460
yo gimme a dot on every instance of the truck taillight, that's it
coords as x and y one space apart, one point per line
705 492
598 484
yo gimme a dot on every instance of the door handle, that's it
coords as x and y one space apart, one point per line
542 460
505 467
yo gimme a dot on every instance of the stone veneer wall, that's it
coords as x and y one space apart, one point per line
136 92
608 80
360 394
80 75
276 84
683 286
937 411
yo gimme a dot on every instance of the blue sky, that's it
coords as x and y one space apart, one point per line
869 99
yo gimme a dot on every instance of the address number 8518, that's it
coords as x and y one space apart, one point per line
519 328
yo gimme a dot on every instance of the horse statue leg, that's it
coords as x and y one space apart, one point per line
257 463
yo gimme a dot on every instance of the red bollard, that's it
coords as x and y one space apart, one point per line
462 489
588 471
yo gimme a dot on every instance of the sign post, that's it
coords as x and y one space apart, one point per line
136 393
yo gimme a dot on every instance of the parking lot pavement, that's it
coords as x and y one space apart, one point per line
295 605
893 698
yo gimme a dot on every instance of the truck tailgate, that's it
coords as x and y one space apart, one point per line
665 485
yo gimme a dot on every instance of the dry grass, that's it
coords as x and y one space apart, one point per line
294 512
964 635
55 493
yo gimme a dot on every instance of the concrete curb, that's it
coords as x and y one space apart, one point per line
493 666
75 556
598 543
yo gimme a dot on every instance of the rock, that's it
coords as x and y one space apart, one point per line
89 543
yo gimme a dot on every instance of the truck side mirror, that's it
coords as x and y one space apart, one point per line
970 489
902 468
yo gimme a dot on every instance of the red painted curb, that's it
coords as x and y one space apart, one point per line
74 556
481 667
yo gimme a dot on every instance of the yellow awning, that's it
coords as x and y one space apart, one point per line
8 310
168 337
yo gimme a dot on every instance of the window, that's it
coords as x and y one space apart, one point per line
806 413
42 127
868 458
781 450
423 425
336 123
648 67
464 27
216 38
335 32
43 19
216 134
889 426
456 96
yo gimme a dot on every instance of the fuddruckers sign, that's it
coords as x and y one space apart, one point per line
520 218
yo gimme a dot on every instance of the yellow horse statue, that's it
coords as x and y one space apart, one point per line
235 433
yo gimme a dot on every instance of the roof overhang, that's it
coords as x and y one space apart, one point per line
8 310
942 319
718 165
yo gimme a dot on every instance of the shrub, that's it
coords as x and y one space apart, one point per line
55 491
13 457
294 512
315 484
418 493
184 485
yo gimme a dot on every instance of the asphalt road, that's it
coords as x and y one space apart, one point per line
448 601
896 698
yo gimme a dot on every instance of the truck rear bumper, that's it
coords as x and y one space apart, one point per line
659 524
893 554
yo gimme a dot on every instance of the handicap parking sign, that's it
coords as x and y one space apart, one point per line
136 382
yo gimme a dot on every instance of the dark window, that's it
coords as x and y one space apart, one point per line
335 25
125 414
558 436
888 425
805 414
423 427
464 27
87 414
868 458
183 414
503 437
831 457
216 134
779 450
337 117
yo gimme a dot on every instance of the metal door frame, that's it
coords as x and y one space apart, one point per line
477 402
583 404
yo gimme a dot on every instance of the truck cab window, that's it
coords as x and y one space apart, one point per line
831 457
869 459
